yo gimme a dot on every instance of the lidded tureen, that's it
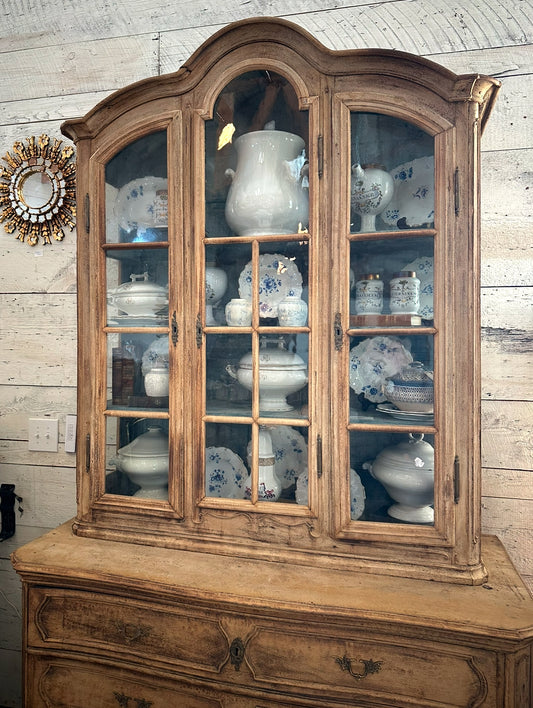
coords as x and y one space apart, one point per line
406 471
411 389
281 373
145 461
140 297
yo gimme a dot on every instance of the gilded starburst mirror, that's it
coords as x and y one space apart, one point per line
38 190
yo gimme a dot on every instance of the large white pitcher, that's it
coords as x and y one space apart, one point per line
266 195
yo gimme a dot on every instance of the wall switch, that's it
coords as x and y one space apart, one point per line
43 434
70 433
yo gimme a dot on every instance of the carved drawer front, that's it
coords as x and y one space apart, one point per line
124 627
379 668
61 683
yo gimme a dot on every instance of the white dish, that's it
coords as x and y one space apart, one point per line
414 194
290 453
278 277
410 416
372 362
136 205
423 268
225 473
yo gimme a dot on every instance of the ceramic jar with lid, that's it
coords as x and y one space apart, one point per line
411 389
405 293
280 373
140 297
369 294
406 471
292 312
239 312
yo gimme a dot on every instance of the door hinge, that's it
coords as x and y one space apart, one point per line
199 331
456 480
320 155
319 456
456 190
87 214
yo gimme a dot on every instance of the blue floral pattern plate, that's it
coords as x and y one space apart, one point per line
278 277
372 362
357 493
225 473
414 194
136 204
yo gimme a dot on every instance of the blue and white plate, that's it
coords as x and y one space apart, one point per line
414 194
136 204
278 277
372 362
225 473
357 493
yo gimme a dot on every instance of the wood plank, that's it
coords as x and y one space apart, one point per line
505 483
506 434
39 339
510 126
47 268
101 65
44 110
48 493
511 521
506 251
506 345
501 62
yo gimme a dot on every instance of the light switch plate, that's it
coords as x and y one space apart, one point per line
70 433
43 434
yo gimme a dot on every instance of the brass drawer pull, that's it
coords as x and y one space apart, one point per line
371 667
124 701
131 632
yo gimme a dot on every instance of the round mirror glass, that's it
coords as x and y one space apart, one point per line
37 189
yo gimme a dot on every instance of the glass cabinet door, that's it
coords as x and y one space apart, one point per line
135 256
391 370
255 314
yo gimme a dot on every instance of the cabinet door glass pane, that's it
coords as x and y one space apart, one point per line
137 457
137 192
256 289
392 175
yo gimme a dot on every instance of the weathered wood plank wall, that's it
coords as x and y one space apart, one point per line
59 58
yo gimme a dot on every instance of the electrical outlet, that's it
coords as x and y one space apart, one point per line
43 434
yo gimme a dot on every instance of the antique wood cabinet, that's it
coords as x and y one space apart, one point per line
278 417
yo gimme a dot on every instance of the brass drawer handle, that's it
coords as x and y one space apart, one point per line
371 667
124 701
131 632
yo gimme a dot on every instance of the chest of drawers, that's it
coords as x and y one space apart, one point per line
113 624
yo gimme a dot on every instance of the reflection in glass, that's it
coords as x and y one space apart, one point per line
137 287
137 457
392 175
137 191
397 472
256 175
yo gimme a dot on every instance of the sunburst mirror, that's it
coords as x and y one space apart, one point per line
38 190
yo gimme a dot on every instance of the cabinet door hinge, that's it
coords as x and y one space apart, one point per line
87 213
456 190
320 155
87 453
319 456
456 480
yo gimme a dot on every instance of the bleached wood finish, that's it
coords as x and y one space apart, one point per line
489 37
188 629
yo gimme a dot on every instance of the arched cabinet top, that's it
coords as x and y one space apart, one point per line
260 36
